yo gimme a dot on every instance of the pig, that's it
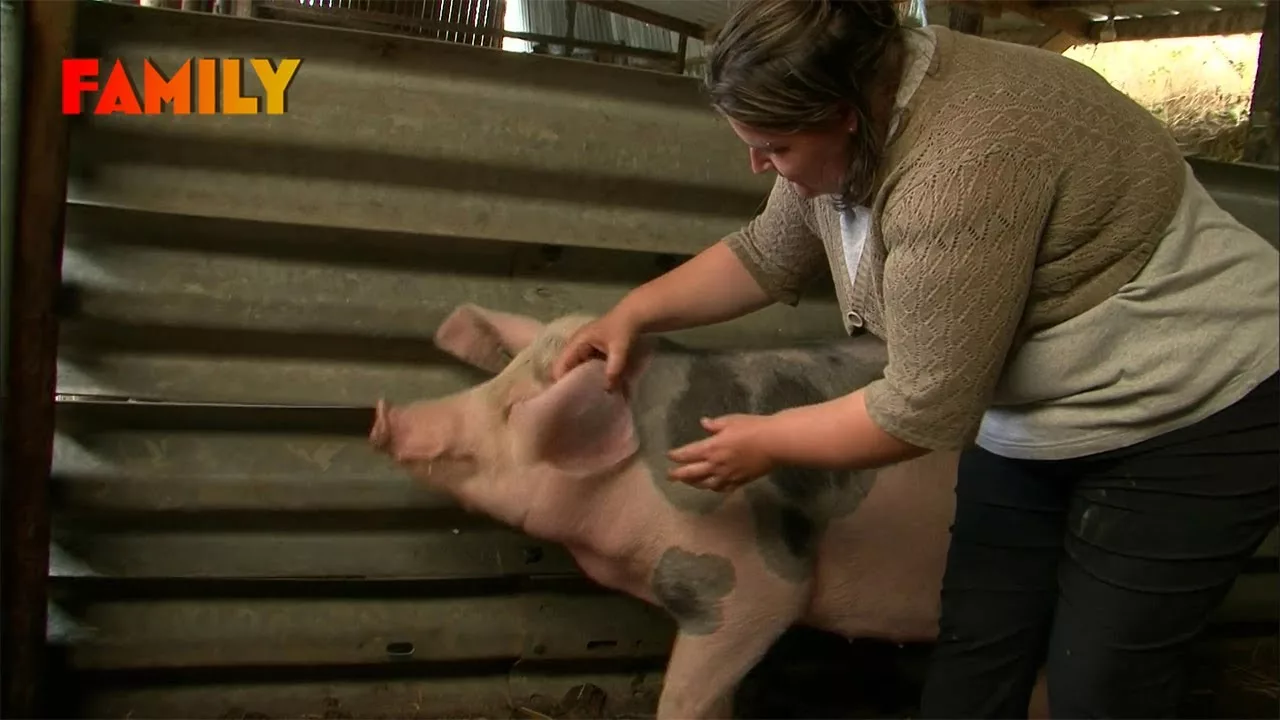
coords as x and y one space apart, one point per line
860 554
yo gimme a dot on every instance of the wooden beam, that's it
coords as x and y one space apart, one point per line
1060 42
653 17
1046 38
570 25
1263 143
1225 22
1073 22
1201 24
985 8
47 35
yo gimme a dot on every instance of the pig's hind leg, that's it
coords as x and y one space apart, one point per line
728 617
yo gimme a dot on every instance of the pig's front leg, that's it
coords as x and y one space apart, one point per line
705 670
728 619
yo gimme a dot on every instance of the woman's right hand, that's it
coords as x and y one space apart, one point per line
712 286
611 336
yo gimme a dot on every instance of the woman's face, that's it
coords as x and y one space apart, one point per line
813 160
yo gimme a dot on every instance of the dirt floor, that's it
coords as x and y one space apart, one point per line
810 674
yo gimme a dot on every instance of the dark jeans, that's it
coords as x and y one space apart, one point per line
1104 566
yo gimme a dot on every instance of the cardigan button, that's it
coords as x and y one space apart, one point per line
855 319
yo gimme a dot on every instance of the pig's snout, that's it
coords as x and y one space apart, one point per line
419 432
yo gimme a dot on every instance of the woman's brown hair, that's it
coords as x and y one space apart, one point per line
793 65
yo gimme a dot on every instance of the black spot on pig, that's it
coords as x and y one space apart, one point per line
786 536
793 506
711 390
799 533
799 486
692 588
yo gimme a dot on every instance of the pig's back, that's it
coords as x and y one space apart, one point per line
683 386
870 542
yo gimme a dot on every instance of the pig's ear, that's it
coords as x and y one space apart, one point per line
487 339
576 425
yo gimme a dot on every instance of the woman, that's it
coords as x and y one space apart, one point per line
1060 299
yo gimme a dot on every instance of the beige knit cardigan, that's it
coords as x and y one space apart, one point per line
1019 190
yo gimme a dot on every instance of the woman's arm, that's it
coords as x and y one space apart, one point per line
766 261
837 434
833 434
954 286
713 286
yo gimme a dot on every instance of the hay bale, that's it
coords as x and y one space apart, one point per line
1199 87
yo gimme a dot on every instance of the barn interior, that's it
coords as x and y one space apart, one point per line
200 310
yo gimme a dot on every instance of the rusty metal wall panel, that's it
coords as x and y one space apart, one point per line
221 310
234 632
439 139
239 291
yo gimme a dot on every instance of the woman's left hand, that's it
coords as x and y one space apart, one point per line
734 455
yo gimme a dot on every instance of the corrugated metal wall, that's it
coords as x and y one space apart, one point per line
238 292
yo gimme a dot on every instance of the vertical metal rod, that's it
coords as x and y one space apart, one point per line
47 30
571 22
1263 143
965 19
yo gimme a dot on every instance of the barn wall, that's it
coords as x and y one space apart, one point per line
238 291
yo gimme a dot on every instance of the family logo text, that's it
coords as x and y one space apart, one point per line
206 86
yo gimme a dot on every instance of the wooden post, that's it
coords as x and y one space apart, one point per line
965 20
241 8
570 21
1263 143
31 372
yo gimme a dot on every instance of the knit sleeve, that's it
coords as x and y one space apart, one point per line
777 247
961 244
